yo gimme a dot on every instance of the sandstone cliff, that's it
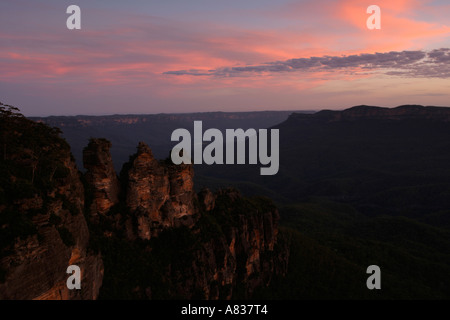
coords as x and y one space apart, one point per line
239 250
146 234
209 246
159 195
43 229
101 176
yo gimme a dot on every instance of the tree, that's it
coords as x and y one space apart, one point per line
8 117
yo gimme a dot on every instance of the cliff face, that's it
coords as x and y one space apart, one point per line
43 229
101 176
239 252
208 246
158 195
148 234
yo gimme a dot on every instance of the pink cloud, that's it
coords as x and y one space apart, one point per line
134 55
401 25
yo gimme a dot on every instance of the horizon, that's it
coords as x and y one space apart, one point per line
251 111
174 113
202 56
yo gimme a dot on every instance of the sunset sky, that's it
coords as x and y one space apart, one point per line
140 56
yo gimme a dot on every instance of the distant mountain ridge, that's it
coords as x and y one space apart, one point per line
377 113
143 118
126 131
318 150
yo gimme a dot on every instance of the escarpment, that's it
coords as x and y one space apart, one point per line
42 226
144 234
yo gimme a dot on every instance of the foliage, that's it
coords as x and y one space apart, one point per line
143 264
32 165
332 245
31 151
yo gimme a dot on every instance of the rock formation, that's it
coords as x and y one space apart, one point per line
241 252
159 194
230 241
101 175
171 241
54 233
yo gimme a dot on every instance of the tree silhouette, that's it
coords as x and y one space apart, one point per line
8 119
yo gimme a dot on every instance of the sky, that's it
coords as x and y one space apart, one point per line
177 56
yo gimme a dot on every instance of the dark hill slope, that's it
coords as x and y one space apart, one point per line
384 161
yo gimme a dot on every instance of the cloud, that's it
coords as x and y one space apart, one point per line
418 63
192 72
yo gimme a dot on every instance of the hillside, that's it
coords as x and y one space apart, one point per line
371 184
361 154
